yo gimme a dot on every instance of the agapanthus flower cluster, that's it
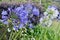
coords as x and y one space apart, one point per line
29 15
26 14
4 17
50 14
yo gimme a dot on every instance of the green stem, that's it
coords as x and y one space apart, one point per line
10 36
17 34
3 35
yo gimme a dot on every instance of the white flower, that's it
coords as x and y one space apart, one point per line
49 23
54 10
55 13
45 13
9 30
41 20
32 38
51 8
50 14
13 28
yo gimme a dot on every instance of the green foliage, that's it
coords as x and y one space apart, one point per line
37 33
0 0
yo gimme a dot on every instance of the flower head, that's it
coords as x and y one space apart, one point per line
4 12
35 11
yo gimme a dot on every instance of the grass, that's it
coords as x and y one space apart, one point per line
38 33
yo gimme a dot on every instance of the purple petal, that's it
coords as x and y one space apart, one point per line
15 28
21 26
5 22
4 17
4 12
29 6
36 12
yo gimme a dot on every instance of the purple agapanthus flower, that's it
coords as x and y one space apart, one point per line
28 6
18 9
21 25
15 28
25 14
24 21
4 12
4 17
35 11
5 22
